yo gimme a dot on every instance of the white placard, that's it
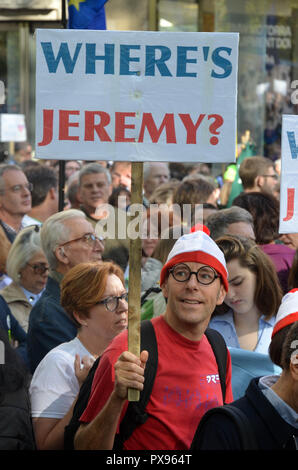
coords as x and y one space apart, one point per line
288 222
12 128
136 96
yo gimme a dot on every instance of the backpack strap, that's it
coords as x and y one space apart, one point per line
81 403
240 420
135 414
220 352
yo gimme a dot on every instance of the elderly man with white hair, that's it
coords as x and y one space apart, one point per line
67 239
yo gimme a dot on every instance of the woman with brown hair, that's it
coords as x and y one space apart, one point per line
247 317
94 296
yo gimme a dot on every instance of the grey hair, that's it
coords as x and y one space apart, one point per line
92 168
54 232
7 167
147 168
26 244
219 221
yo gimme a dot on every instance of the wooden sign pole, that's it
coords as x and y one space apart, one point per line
134 282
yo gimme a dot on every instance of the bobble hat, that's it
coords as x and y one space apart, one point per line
200 248
287 312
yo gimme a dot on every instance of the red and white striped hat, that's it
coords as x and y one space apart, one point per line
287 312
200 248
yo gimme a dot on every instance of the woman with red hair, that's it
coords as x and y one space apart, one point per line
94 296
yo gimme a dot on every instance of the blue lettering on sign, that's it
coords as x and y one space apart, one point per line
221 62
64 54
292 144
156 58
125 59
108 58
182 60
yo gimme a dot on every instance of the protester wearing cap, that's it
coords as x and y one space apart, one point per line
194 281
197 247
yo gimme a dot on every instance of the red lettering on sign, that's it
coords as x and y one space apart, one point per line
290 204
64 124
91 127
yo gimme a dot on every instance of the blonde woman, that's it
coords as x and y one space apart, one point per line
28 268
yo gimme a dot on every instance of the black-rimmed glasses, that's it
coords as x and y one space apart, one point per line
205 274
112 303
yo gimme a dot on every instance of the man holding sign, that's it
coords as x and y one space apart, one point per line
194 281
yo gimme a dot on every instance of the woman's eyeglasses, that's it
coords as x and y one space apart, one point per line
112 303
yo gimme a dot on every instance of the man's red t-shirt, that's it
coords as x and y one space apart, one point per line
186 386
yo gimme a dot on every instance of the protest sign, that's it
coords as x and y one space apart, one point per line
136 96
288 222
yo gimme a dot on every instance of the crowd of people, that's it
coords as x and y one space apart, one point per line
219 307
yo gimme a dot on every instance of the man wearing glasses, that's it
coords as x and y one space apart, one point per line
15 202
67 239
193 281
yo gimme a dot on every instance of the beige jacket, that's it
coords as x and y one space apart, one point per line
19 306
4 249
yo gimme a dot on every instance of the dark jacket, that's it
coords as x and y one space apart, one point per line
49 324
16 431
271 431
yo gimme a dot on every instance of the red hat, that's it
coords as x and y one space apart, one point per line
197 247
197 227
287 312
